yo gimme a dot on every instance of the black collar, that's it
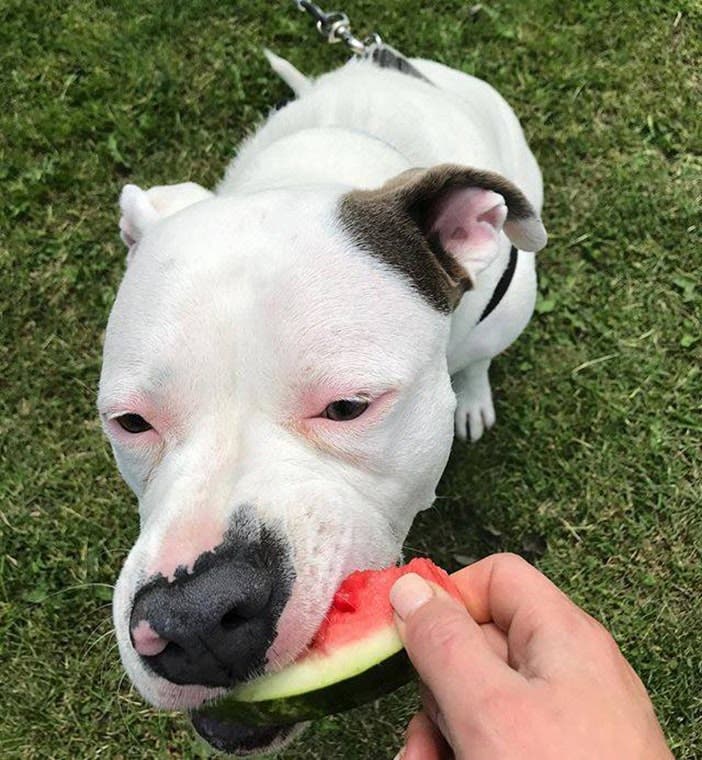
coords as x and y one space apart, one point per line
502 285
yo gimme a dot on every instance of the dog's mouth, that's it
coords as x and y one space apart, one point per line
237 739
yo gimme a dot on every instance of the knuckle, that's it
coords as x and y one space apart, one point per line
569 619
573 619
582 627
511 560
602 638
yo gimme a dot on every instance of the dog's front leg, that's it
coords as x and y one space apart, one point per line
475 411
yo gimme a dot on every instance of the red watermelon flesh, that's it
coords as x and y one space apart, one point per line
361 604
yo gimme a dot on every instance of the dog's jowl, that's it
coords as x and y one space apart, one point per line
289 358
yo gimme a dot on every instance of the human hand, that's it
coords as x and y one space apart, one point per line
521 673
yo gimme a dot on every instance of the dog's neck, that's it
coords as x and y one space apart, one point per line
325 155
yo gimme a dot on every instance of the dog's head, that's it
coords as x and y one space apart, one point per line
275 390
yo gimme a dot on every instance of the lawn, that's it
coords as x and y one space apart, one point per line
594 470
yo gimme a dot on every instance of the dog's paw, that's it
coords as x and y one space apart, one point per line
475 412
474 417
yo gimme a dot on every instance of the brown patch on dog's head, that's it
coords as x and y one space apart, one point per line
439 227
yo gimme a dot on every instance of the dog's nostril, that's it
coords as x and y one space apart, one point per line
232 619
173 649
247 609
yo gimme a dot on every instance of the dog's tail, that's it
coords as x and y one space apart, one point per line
295 79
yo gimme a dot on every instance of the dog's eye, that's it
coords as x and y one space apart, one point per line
345 409
133 423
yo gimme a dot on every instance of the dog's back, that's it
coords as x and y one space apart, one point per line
449 117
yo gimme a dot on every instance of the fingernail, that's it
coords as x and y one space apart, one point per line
409 593
400 754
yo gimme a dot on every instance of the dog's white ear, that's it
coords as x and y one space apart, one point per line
140 209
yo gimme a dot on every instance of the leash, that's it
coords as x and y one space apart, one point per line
336 27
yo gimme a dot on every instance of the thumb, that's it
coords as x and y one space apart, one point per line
447 648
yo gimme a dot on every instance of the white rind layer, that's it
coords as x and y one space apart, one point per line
316 671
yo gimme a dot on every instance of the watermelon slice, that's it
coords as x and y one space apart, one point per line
355 657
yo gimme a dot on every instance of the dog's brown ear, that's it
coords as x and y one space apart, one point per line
441 226
142 208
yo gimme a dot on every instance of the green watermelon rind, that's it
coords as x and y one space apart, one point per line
353 675
371 684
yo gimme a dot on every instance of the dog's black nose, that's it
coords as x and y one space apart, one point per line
213 625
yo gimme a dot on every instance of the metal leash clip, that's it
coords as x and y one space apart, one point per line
336 27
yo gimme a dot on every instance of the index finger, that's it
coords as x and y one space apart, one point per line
494 588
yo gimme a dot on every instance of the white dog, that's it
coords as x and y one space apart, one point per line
288 357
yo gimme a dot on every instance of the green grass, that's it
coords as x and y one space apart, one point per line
595 467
